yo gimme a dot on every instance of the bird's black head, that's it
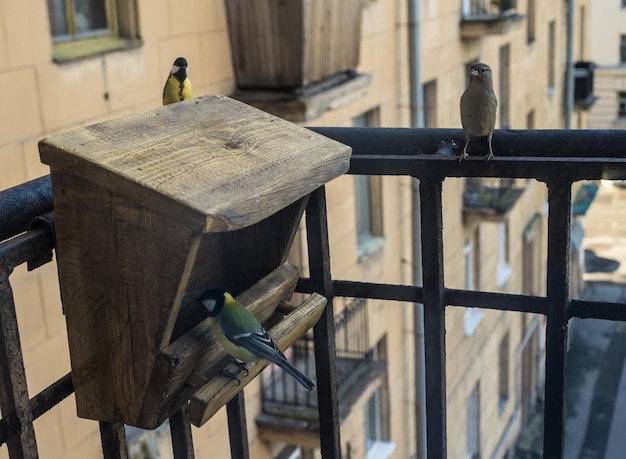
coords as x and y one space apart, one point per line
179 69
180 62
213 301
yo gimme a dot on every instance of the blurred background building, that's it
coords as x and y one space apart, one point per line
363 63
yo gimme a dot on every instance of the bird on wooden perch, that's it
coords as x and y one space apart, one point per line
243 337
177 86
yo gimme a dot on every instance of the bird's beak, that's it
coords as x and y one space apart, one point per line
474 72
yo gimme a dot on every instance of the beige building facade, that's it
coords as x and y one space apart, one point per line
50 84
607 26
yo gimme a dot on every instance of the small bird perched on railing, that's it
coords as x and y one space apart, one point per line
478 107
177 86
243 337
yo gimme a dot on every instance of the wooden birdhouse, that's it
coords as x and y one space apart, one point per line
151 210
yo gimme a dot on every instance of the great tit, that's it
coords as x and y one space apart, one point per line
177 87
242 335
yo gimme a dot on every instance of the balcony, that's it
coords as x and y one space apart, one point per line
488 17
557 158
490 198
289 409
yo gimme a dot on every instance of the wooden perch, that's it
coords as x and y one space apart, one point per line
208 400
196 356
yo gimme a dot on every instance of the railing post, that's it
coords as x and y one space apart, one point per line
13 388
324 330
559 221
434 317
182 441
113 437
237 427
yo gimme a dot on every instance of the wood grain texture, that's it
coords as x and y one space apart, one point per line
196 356
278 44
213 396
119 312
211 162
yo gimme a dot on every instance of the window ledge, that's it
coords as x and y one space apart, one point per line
368 246
502 274
79 49
472 319
306 104
380 450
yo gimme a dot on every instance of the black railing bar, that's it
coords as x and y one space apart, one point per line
180 432
20 204
30 245
497 301
546 143
13 386
51 396
434 317
354 289
324 329
113 437
585 309
237 427
541 169
559 221
452 297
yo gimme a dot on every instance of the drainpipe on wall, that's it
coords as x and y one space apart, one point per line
569 66
417 121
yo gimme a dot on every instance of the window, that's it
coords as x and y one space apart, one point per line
530 25
472 424
375 445
472 316
622 49
621 106
107 24
430 104
368 194
552 55
503 268
504 87
503 372
531 254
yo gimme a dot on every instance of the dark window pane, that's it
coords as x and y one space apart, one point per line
90 15
58 17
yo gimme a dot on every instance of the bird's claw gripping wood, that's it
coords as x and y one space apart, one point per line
241 368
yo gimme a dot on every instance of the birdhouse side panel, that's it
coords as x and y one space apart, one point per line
123 270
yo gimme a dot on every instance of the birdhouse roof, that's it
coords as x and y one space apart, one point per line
213 162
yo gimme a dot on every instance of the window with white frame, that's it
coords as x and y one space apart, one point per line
375 445
368 195
504 268
471 250
472 423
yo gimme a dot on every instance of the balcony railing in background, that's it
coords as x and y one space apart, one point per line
557 158
491 197
487 17
282 396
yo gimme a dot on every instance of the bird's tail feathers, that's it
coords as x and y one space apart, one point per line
293 371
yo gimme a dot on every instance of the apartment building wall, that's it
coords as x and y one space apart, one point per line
40 97
608 29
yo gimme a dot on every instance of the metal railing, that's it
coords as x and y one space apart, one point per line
557 158
281 392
